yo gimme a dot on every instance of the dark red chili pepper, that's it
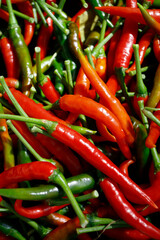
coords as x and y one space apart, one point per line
57 219
107 98
29 28
125 234
147 210
154 131
126 211
128 12
34 212
156 47
83 105
4 15
10 58
62 153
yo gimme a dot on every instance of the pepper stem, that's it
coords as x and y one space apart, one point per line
57 177
69 76
143 115
12 19
89 56
39 11
156 159
40 75
141 89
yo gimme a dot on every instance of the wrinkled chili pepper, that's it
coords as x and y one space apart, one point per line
133 14
125 210
10 58
21 49
107 98
88 151
73 102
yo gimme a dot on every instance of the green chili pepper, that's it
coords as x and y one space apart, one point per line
77 184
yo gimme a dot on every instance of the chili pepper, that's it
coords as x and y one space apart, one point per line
42 171
62 153
44 37
125 164
146 210
144 43
156 47
104 132
125 210
9 160
12 82
57 219
107 98
141 90
154 97
10 58
45 82
101 65
4 15
128 12
113 84
88 151
21 49
83 105
125 234
154 131
78 184
150 21
5 237
36 211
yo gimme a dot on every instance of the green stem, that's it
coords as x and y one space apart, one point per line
156 159
143 69
89 56
143 115
84 3
39 11
57 10
12 98
83 198
34 12
69 76
19 14
40 76
150 115
50 14
61 4
103 30
57 177
141 89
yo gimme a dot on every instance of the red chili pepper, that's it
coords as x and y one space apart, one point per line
156 47
62 153
104 132
125 234
154 131
12 82
10 58
57 219
126 211
34 212
113 84
4 237
31 139
4 15
130 13
83 105
147 210
29 28
124 166
101 67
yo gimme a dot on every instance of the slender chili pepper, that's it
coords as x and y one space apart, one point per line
57 219
113 84
12 82
38 211
44 37
154 96
101 65
45 82
126 211
62 153
141 90
10 58
150 21
156 47
128 12
78 184
104 132
9 159
82 105
125 234
154 131
88 151
4 15
21 49
29 28
125 164
40 171
107 98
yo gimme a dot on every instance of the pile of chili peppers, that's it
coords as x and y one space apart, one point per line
80 119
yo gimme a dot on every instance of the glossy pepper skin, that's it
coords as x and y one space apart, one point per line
126 210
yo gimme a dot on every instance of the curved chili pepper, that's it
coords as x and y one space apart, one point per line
10 58
125 210
125 234
44 82
82 105
150 21
154 131
62 153
21 49
57 219
40 171
29 28
107 98
128 12
104 132
35 212
125 164
156 47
